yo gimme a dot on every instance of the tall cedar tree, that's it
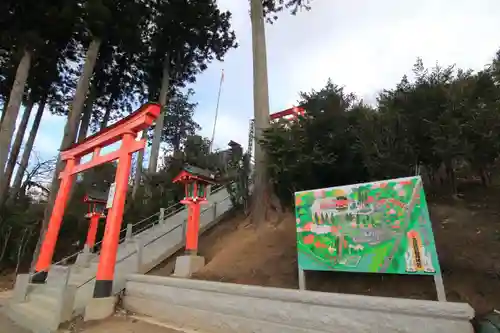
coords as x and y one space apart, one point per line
259 9
188 35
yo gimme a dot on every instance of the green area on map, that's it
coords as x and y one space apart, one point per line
377 227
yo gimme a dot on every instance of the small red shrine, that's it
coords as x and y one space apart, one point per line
97 205
196 181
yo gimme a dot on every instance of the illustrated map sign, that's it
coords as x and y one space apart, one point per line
378 227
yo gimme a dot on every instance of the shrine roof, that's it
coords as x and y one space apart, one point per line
193 172
95 196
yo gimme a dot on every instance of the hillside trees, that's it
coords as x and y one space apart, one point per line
22 39
445 118
48 47
93 60
178 126
120 22
178 121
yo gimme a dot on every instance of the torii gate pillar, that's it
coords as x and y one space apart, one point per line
125 130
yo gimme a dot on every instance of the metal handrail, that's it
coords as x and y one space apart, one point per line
153 240
217 189
98 243
167 232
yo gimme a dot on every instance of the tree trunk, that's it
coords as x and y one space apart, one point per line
138 169
20 251
14 154
450 173
5 243
16 186
261 193
4 111
485 178
105 119
84 124
70 129
107 113
155 147
15 99
87 115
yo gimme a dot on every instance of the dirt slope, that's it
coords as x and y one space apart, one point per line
467 234
239 253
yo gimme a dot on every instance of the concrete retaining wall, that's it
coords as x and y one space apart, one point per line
224 307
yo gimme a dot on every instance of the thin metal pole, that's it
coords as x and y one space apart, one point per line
216 112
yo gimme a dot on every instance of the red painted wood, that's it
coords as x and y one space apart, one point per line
106 267
101 159
49 242
125 130
292 111
137 121
193 227
92 232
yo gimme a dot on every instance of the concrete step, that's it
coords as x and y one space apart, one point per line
44 290
80 279
33 317
45 301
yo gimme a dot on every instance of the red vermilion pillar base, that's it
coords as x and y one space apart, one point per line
91 235
106 268
193 227
49 241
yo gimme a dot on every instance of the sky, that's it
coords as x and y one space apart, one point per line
364 45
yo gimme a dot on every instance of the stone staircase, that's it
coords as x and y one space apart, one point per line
69 288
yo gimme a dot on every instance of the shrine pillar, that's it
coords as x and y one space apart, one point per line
193 228
92 232
51 235
107 261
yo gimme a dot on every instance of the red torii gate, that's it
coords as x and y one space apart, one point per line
293 111
125 130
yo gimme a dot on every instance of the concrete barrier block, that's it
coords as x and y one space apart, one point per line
83 258
58 276
100 308
261 309
193 319
418 307
186 265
